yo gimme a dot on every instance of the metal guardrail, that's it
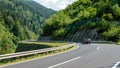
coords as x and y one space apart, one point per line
103 42
26 53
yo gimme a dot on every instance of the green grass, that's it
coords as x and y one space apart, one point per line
52 44
26 58
27 46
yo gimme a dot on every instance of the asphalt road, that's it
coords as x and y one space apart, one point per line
85 56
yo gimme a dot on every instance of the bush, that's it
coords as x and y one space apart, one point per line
113 34
91 25
59 33
7 46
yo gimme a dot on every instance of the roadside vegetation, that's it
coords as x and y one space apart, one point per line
27 46
84 16
40 55
20 20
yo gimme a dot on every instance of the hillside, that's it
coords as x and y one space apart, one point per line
95 19
20 20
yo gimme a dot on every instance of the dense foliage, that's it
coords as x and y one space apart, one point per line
20 20
102 15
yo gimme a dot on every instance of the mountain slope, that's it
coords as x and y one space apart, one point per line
96 19
20 20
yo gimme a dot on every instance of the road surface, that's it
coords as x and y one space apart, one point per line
85 56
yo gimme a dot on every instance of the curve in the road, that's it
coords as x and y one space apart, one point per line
86 56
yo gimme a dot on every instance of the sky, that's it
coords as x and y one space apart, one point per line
55 4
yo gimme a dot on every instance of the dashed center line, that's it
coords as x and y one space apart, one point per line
64 62
98 48
116 65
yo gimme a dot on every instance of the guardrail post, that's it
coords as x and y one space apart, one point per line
35 52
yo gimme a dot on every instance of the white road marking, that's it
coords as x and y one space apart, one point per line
40 57
64 62
98 48
115 66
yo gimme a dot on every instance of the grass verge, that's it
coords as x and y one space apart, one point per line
35 45
30 57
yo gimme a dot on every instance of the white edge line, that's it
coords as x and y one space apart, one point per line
40 57
65 62
115 66
98 48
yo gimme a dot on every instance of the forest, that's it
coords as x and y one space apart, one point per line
20 20
101 15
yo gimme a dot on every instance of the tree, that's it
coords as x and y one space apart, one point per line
16 29
116 11
113 34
